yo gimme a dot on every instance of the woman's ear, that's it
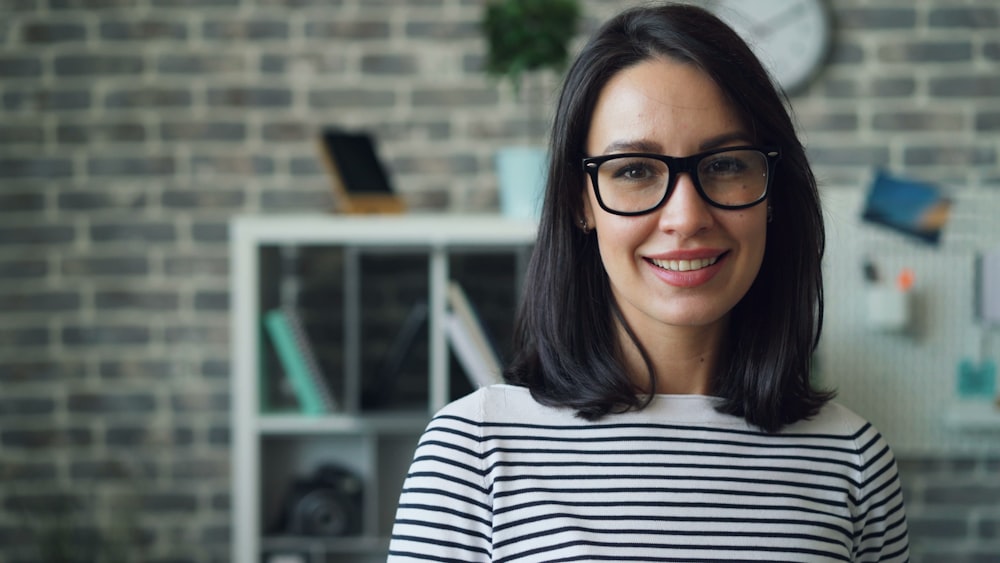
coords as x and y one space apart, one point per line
586 219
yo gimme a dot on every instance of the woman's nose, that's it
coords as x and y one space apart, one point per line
685 212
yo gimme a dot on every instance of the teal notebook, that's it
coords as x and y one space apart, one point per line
298 361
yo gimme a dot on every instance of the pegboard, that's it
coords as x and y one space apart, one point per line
905 381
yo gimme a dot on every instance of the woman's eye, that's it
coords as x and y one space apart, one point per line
634 171
725 166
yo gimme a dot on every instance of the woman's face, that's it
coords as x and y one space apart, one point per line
685 264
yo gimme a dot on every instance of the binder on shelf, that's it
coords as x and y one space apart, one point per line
469 341
294 351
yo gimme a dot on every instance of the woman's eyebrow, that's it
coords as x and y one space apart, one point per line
645 145
637 145
725 139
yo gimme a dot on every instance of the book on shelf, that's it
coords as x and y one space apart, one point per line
468 339
298 360
393 364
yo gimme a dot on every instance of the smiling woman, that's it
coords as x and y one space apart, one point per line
658 405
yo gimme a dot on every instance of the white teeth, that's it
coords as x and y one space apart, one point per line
685 265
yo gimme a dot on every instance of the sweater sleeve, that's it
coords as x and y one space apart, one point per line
445 508
880 532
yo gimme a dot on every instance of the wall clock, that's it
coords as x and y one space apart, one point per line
791 37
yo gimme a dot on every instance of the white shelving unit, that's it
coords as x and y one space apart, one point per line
269 449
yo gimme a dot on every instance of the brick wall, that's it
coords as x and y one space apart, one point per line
131 130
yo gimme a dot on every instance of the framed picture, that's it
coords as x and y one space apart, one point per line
914 208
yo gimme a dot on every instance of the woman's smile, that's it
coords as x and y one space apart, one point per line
688 268
684 265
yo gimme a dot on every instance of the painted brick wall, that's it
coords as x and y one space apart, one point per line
132 130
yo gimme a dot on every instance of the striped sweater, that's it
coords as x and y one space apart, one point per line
498 477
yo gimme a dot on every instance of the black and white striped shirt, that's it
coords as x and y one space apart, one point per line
498 477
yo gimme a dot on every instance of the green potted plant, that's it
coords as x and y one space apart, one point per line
526 37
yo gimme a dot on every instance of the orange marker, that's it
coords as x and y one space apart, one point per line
905 279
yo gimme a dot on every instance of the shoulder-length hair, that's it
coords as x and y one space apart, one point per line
565 346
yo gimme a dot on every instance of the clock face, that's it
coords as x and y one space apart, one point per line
790 37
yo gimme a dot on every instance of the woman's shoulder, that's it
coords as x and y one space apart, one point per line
836 422
500 403
833 418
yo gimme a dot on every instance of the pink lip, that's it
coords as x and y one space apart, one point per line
691 278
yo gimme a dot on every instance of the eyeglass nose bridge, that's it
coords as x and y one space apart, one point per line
680 164
677 165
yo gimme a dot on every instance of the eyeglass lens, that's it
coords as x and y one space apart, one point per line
634 183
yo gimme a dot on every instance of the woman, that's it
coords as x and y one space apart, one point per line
658 405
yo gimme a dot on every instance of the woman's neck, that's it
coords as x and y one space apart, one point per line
684 359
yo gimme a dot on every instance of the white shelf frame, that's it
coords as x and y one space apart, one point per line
437 234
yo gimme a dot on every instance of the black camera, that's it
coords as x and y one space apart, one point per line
326 504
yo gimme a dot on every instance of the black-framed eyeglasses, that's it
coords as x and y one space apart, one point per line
638 183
